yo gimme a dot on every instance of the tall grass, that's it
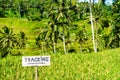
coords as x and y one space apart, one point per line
100 66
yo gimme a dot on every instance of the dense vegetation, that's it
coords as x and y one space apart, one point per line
63 27
101 66
44 27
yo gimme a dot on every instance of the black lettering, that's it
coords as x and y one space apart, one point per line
42 59
38 59
47 59
28 59
25 59
32 59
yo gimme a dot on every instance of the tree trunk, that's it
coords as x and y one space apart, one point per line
42 47
54 46
63 36
96 30
80 48
64 43
53 35
19 9
92 27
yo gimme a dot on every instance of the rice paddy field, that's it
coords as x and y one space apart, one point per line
103 65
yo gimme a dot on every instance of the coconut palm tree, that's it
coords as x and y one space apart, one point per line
8 40
41 40
101 23
116 24
92 27
59 18
101 2
21 39
64 20
81 36
53 25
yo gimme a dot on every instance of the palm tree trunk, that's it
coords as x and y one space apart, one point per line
64 43
54 46
92 27
63 36
42 47
53 39
96 42
80 48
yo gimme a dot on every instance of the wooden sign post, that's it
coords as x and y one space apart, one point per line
36 73
36 61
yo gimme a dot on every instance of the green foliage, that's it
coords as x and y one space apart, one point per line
34 14
101 66
8 40
21 40
116 24
2 12
40 39
30 9
56 20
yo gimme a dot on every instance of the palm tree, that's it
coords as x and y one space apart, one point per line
101 23
59 17
41 40
22 40
116 24
97 14
53 25
81 36
92 28
64 20
8 40
101 2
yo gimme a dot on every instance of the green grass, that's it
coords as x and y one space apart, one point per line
21 24
104 65
33 28
92 66
30 28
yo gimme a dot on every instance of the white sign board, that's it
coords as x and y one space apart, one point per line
36 61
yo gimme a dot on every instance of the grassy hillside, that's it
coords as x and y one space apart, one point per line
30 28
33 28
21 24
100 66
